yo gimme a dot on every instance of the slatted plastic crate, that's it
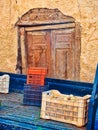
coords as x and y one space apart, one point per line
4 83
33 94
68 111
36 75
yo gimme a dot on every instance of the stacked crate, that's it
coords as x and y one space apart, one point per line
36 75
35 86
64 108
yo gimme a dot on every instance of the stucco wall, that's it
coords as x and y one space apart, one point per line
84 11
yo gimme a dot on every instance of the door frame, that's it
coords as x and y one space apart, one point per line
21 66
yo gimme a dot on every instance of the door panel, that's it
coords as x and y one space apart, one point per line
63 53
38 49
61 63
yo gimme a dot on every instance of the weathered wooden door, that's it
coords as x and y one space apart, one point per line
38 49
63 53
57 54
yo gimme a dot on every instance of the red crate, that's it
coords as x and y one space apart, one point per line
36 75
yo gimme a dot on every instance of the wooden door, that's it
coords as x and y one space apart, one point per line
38 49
63 53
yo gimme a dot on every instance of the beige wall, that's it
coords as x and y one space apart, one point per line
84 11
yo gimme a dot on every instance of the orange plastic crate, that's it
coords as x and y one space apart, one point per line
36 75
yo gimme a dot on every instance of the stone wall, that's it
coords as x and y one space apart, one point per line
84 11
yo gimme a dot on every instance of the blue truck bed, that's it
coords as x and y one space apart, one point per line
16 116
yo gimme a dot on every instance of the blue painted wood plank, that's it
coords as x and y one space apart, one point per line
96 121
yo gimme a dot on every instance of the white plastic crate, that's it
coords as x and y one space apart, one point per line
4 83
64 108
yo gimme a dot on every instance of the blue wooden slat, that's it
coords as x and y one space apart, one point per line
70 82
96 121
13 125
93 104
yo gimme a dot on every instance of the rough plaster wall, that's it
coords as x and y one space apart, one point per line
84 11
